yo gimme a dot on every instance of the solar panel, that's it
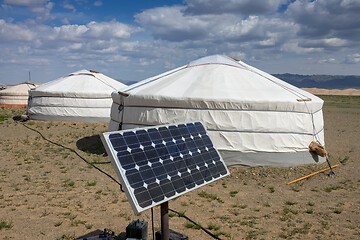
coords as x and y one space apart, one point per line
156 164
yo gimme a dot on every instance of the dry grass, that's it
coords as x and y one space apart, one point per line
47 192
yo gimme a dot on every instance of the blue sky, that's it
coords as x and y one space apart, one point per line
134 40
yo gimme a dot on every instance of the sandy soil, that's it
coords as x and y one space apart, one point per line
344 92
47 192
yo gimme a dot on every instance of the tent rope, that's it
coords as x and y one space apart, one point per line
106 83
122 110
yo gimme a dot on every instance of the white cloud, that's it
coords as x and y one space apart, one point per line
23 49
70 6
170 36
37 61
353 58
98 3
15 32
335 42
93 30
76 46
27 3
73 65
111 29
218 33
68 32
169 23
237 55
116 58
104 46
326 18
245 7
90 41
130 45
65 21
255 27
325 43
40 7
169 65
327 60
146 62
294 47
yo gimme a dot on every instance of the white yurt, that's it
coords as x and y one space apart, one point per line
83 96
15 96
253 118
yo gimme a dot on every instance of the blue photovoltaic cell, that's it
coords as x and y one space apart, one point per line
159 163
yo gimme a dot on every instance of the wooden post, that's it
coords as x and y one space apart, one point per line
329 168
164 208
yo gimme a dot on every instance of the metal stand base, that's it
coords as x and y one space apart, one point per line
172 235
164 208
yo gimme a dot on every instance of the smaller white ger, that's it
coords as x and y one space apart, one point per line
15 96
83 96
253 118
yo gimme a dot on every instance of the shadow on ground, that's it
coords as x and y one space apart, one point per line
91 144
105 234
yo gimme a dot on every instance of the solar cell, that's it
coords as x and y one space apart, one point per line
156 164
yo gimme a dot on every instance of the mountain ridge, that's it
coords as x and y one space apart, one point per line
321 81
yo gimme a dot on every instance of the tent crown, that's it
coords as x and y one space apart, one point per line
216 59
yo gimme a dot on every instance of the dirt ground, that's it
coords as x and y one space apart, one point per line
344 92
47 192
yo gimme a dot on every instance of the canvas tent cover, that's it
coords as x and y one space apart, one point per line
253 118
16 95
81 96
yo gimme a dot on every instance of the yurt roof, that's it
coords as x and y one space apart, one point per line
17 90
83 83
220 82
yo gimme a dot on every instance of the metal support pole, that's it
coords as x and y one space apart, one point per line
164 208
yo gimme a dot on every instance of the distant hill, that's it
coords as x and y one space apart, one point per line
321 81
312 81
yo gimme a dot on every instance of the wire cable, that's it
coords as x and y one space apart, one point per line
74 151
108 175
187 218
100 162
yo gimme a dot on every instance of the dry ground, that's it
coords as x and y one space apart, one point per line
321 91
47 192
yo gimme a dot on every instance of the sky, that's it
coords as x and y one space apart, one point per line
134 40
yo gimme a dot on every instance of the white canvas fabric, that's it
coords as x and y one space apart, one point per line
16 95
253 118
83 96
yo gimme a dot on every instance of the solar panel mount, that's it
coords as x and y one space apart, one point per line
156 164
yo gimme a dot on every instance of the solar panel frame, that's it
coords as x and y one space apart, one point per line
187 171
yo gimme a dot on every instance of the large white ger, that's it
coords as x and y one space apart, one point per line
83 96
254 119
